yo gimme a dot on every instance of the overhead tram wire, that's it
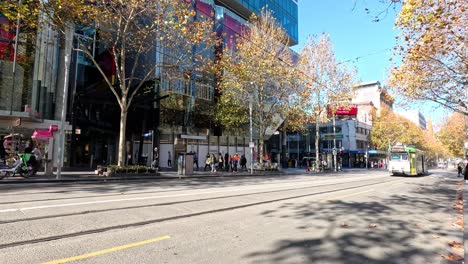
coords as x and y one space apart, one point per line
302 72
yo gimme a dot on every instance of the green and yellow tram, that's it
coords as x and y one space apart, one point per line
405 160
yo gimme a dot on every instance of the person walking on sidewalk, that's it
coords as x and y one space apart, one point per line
220 161
207 162
213 163
459 169
226 162
235 161
243 163
169 159
466 172
195 159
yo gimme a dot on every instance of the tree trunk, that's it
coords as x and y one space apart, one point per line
317 138
122 136
284 143
260 143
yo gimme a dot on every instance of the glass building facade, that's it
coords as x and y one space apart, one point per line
285 12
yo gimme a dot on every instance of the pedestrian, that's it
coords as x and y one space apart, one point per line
207 162
243 163
155 163
169 159
459 169
466 172
38 156
226 162
235 161
213 163
195 159
3 151
220 161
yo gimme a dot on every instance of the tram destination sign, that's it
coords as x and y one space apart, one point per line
398 149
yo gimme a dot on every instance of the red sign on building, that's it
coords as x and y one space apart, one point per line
345 110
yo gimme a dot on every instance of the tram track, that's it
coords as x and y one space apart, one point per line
162 204
122 194
188 215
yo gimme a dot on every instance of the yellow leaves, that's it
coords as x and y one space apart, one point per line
456 245
431 49
452 257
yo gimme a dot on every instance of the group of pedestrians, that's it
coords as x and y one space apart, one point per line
227 163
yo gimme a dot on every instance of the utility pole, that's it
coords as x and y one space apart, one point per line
251 144
69 33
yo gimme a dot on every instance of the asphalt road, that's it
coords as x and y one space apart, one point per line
354 217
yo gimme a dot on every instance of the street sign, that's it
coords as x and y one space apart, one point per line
334 151
251 145
330 136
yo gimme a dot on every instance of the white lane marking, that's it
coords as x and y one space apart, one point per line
148 198
133 199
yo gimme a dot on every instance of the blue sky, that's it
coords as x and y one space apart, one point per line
357 40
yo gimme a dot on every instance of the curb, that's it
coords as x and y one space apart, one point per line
160 176
136 178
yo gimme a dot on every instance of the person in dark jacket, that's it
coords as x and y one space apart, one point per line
226 162
466 172
243 163
459 169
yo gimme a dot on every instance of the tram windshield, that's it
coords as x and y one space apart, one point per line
399 156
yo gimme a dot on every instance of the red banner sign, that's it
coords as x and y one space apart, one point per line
348 110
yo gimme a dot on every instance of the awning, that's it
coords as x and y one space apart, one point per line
42 135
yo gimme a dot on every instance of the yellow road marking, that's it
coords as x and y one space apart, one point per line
106 251
339 197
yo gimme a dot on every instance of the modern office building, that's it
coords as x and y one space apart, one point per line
416 117
351 131
197 133
285 12
31 93
31 84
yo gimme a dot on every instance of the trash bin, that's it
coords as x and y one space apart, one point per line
185 163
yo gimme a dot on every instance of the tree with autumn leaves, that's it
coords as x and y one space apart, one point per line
258 71
389 128
134 32
325 83
452 135
432 47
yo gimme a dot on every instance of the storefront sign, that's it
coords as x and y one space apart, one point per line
349 110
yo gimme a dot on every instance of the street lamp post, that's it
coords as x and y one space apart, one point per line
334 144
367 156
279 148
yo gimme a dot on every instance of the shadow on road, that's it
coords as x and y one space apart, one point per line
409 228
